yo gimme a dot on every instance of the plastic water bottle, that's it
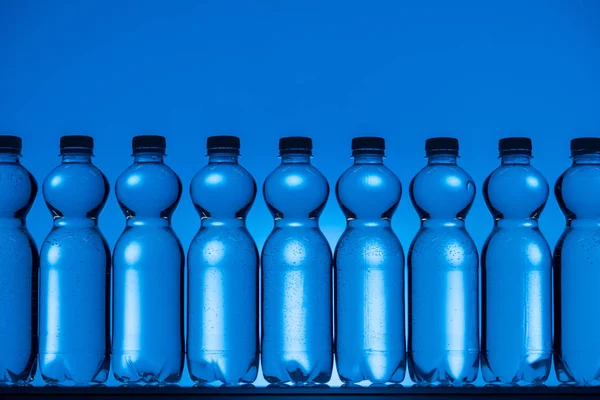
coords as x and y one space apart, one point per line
148 264
75 271
577 268
222 341
369 271
516 272
296 272
443 336
19 263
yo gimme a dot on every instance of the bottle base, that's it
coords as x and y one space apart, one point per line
74 369
532 368
229 368
372 368
299 368
447 368
23 377
581 368
132 368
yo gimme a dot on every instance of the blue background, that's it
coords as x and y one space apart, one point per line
331 70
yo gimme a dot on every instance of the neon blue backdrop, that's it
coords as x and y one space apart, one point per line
331 70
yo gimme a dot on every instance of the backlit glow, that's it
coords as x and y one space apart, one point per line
214 251
293 180
294 252
214 179
373 180
53 254
456 323
213 315
532 182
133 180
133 252
57 180
132 313
534 253
453 181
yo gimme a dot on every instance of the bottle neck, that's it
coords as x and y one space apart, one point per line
369 223
148 222
295 158
9 157
443 223
149 157
580 159
516 223
223 157
297 223
368 158
441 158
222 222
518 159
76 158
80 222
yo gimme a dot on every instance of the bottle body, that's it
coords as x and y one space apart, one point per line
443 344
75 277
19 264
296 279
222 342
369 277
148 263
517 278
576 275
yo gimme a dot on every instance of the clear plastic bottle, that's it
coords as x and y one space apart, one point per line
75 271
516 264
577 268
296 272
443 315
19 264
369 271
148 340
222 341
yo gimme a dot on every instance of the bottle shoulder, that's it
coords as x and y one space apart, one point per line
138 175
223 190
19 189
149 190
577 191
442 191
296 248
369 237
296 191
76 189
516 192
294 176
368 192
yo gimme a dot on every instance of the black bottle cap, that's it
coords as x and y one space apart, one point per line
585 145
10 144
76 144
295 144
223 143
441 145
148 143
514 145
368 144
